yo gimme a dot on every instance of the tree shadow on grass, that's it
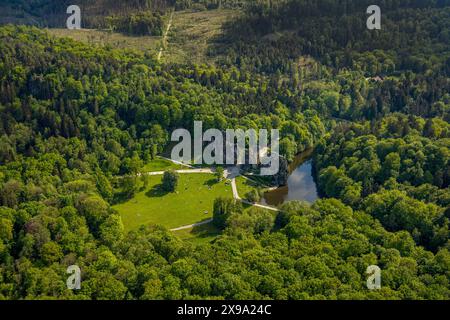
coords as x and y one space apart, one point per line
122 197
205 231
156 192
211 182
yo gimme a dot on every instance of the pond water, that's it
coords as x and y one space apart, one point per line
300 184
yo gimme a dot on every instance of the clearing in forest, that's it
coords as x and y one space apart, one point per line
191 203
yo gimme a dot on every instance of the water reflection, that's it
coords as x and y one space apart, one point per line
300 184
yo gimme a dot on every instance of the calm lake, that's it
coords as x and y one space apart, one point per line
300 184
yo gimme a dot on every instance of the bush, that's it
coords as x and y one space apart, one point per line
223 209
219 173
253 196
170 181
140 24
197 7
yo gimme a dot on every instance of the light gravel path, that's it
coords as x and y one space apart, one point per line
193 225
230 174
235 190
164 40
160 173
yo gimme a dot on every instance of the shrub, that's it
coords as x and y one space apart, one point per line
170 181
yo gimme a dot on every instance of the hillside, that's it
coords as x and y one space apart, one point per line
189 40
86 117
47 13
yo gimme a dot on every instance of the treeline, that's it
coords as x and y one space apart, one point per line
336 33
276 15
202 5
140 24
97 13
94 14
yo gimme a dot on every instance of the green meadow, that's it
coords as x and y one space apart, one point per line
191 203
200 234
245 185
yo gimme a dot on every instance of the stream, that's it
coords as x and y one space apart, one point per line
300 185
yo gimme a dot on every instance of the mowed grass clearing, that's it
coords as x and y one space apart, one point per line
198 235
160 164
192 203
245 185
189 40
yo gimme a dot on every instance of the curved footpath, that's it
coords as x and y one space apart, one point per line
160 173
230 174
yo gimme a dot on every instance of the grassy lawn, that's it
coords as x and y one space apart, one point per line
192 203
263 181
160 164
201 234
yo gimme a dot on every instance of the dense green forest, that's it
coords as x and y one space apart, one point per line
395 169
375 106
139 24
140 17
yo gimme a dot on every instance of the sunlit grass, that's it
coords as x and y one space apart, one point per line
192 203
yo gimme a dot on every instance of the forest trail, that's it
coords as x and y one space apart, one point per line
164 39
